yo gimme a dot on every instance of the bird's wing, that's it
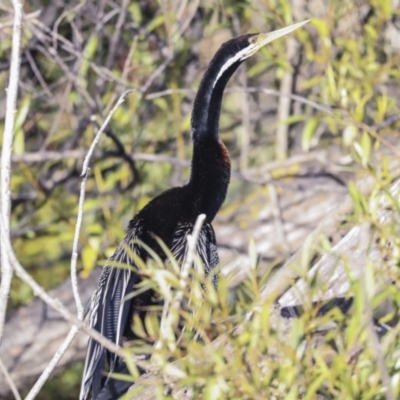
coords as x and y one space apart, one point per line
109 312
206 245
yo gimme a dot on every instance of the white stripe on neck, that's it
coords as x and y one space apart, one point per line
236 57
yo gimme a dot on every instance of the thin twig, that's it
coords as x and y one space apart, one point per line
272 92
156 73
44 156
74 256
111 56
279 223
38 75
125 70
52 364
101 130
286 274
66 13
258 175
74 278
26 17
52 54
9 380
8 136
68 46
282 131
55 303
182 28
57 118
375 344
116 34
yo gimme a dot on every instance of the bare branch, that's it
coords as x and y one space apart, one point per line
283 278
77 321
74 278
66 45
53 363
156 73
185 24
74 256
376 345
43 156
10 382
26 17
8 136
38 74
31 158
55 303
277 214
50 52
101 130
27 352
358 250
282 131
116 34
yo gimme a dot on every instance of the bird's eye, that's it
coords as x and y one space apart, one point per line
253 39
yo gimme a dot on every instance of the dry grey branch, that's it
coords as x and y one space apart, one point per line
44 156
74 282
54 303
281 281
6 267
26 353
74 278
376 346
74 256
9 380
282 131
53 363
96 140
351 257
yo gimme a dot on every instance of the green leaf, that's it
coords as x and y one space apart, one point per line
331 82
155 23
89 257
19 141
22 111
363 148
308 133
253 256
88 53
19 137
349 135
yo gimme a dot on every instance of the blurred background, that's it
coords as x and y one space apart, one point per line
301 119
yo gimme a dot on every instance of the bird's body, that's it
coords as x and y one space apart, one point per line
170 217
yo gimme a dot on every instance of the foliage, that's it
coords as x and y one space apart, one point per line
79 56
256 355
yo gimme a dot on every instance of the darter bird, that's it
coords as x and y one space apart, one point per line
170 217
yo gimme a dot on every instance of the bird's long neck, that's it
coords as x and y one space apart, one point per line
207 104
210 173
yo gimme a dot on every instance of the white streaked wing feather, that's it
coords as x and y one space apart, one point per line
117 280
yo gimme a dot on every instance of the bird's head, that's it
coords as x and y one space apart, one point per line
239 49
207 105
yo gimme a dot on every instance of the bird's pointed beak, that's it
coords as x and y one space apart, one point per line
265 38
262 39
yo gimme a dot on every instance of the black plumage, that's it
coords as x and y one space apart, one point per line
171 217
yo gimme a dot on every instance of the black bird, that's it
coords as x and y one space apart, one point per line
171 217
